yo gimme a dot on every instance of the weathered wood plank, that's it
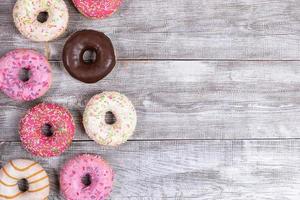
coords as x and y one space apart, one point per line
179 29
229 170
185 100
178 100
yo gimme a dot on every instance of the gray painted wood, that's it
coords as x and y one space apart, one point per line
227 170
221 128
185 99
179 29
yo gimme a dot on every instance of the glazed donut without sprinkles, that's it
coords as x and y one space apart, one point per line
97 9
26 17
33 85
87 177
84 41
33 177
95 123
47 130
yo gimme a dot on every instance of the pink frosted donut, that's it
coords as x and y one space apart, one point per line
47 130
37 68
97 9
86 177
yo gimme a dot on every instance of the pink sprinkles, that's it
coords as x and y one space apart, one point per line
40 79
98 169
34 140
97 8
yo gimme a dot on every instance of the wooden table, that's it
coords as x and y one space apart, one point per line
216 85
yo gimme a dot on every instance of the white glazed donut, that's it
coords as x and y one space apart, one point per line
16 170
25 15
94 118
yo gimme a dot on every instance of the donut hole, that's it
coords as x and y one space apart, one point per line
47 130
89 56
42 17
110 118
23 185
86 180
24 74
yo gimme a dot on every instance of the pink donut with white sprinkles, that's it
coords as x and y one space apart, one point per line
47 130
97 9
86 177
33 85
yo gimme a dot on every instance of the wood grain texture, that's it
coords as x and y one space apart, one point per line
180 29
185 99
216 85
229 170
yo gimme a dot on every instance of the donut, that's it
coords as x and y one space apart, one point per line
34 178
97 9
47 130
41 20
37 68
86 177
85 41
94 118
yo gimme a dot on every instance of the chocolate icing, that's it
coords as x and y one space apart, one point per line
85 40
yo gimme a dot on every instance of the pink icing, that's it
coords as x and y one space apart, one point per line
31 134
97 8
72 172
11 65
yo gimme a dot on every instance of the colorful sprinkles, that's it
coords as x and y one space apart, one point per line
99 171
40 74
25 14
97 9
59 119
35 141
94 118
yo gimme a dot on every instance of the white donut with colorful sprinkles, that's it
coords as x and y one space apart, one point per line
94 118
26 14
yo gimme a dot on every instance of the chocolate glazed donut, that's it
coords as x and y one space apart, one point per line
93 41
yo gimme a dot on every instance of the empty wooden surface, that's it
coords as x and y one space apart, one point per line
216 85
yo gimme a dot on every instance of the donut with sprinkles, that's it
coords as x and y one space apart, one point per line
36 74
97 9
41 20
86 176
47 130
122 112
